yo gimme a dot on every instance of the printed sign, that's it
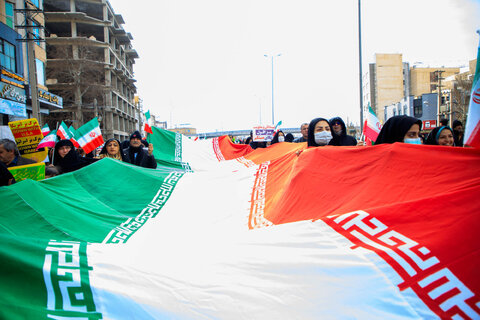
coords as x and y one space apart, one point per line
9 92
263 133
12 78
27 135
429 124
13 108
50 98
34 171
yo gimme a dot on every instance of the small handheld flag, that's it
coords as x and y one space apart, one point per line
89 136
63 132
45 130
147 125
372 127
49 140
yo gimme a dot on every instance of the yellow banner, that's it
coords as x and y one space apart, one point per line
27 135
34 171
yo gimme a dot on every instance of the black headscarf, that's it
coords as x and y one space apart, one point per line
395 129
275 137
72 161
432 138
289 137
311 131
120 150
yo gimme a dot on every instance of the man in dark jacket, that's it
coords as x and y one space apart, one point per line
10 156
6 177
458 133
135 154
340 137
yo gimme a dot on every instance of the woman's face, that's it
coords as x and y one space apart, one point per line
112 148
413 132
62 151
321 125
445 138
280 134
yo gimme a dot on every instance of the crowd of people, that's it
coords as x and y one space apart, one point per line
319 132
333 132
64 157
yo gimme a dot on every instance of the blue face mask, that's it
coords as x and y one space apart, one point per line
413 141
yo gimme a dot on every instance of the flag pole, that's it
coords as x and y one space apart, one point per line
360 62
53 155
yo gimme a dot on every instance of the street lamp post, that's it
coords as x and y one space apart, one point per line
273 96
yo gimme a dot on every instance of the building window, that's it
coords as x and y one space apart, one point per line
36 3
9 17
40 72
7 56
417 108
36 31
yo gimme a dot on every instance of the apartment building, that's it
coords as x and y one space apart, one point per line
90 62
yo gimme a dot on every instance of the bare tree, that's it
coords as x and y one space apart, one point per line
80 78
461 97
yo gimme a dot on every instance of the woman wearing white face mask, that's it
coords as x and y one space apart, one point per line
319 132
278 137
400 129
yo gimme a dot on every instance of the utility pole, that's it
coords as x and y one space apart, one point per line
439 94
29 11
360 62
273 85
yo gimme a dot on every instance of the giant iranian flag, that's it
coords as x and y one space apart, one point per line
382 232
472 127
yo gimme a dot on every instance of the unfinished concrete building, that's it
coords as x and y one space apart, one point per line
90 64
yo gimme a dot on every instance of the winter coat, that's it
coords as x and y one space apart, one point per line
72 160
143 159
343 139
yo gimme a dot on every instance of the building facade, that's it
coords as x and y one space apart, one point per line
21 26
90 62
185 130
390 84
426 80
423 107
386 82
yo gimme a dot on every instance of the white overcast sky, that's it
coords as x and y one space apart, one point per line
202 62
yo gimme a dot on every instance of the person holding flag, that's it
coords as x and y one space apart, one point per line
66 158
135 154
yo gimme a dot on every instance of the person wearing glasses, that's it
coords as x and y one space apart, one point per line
339 133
